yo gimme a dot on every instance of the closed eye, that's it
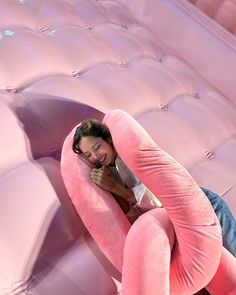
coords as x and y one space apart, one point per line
97 147
87 156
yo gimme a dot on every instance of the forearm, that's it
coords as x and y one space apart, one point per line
124 193
104 178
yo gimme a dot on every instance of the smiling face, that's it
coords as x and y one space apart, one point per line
97 150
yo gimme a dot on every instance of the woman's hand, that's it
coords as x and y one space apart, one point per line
103 178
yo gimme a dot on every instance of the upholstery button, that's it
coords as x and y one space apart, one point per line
87 28
196 94
43 29
124 63
165 108
208 154
11 89
158 58
124 26
75 74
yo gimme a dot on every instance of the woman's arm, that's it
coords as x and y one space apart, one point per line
124 193
104 179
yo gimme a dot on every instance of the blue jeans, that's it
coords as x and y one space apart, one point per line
226 219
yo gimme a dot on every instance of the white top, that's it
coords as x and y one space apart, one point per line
146 200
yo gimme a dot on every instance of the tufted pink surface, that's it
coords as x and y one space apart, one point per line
164 62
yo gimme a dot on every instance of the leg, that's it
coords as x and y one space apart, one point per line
226 219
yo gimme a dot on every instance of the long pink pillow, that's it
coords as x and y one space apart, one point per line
197 229
98 210
224 280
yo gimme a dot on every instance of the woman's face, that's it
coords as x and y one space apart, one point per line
97 150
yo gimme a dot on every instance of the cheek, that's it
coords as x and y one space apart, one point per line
111 152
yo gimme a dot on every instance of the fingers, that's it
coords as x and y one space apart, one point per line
101 177
96 175
96 171
101 171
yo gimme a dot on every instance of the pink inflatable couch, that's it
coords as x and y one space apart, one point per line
165 63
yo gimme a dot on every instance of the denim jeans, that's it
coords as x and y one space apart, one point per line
226 219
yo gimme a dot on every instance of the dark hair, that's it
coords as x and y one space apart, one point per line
90 127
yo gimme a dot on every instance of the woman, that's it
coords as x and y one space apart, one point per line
93 141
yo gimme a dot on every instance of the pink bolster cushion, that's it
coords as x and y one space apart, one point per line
224 280
147 255
99 212
198 232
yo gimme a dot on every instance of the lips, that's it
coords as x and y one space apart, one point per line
103 160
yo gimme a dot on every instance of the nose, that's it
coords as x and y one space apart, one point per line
95 157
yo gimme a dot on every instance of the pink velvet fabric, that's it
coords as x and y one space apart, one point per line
176 250
222 11
198 233
98 210
224 281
